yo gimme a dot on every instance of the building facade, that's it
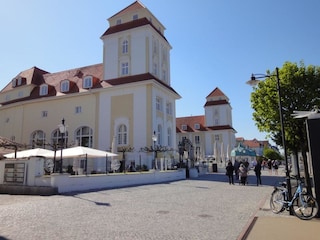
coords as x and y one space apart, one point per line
257 145
122 102
212 135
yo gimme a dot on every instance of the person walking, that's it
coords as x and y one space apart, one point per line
257 170
236 169
229 172
243 173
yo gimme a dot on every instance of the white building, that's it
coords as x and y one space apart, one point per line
127 97
212 135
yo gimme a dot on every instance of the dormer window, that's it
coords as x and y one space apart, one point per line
14 83
19 82
65 86
135 17
43 90
87 82
197 126
184 127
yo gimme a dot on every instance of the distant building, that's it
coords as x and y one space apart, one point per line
254 144
211 134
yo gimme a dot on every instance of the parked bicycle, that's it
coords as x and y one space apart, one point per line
302 204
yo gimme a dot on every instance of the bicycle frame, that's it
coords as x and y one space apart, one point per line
302 204
295 196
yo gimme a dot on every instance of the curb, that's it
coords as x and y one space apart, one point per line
252 220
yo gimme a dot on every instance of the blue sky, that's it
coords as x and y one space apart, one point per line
215 43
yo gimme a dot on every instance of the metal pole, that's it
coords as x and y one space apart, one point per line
154 155
283 137
61 147
124 160
62 142
86 164
106 163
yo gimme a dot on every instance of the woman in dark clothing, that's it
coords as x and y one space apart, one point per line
257 170
229 172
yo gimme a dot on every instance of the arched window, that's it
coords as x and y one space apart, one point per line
56 138
122 135
65 86
43 90
38 139
159 134
125 45
84 136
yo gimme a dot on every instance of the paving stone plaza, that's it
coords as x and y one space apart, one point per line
203 208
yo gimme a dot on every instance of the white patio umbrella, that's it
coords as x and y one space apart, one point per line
81 151
228 150
115 164
222 154
215 151
30 153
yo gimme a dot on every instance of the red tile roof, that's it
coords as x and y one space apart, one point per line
216 97
190 123
218 102
132 7
192 120
130 25
37 77
254 143
216 93
75 76
137 78
33 75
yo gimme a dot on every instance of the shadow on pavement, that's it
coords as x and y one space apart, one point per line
252 180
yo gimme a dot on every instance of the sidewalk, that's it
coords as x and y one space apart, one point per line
265 225
278 227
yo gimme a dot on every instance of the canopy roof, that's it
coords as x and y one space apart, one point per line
81 151
29 153
242 151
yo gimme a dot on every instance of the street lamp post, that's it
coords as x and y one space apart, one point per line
62 129
154 139
253 82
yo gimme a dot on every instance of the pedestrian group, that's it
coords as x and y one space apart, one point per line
241 170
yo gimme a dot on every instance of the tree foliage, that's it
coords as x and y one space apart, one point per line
300 91
269 153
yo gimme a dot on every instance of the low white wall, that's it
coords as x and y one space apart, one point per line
69 183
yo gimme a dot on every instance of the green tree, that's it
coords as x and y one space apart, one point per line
269 153
300 91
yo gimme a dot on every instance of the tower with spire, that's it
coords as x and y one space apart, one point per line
211 134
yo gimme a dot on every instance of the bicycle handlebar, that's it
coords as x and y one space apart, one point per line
296 177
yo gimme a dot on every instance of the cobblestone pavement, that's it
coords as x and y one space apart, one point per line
203 208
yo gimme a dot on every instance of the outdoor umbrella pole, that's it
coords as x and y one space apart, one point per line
86 164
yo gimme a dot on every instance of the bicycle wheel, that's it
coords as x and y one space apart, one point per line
305 207
277 201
